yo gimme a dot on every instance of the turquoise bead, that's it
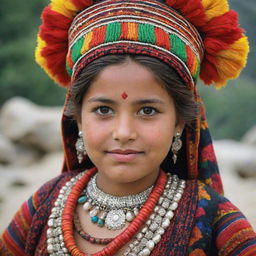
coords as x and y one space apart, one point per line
82 199
101 222
94 219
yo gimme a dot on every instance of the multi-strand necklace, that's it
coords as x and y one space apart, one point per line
141 235
108 210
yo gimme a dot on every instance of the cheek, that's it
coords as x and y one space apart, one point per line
95 134
159 135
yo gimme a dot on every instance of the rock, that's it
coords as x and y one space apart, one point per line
236 156
16 154
250 136
26 155
247 170
29 124
18 183
7 150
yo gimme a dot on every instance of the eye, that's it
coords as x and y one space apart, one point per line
148 111
103 110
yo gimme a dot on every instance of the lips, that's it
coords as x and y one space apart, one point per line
124 152
127 155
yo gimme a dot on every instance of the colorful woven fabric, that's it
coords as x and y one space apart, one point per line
205 224
220 228
132 25
204 32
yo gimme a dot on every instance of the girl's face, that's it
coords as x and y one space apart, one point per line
128 120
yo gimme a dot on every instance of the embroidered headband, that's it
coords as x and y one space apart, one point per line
195 37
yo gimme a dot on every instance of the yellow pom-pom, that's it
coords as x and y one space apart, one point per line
65 7
214 8
40 45
232 61
40 59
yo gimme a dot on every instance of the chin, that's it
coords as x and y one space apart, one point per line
124 175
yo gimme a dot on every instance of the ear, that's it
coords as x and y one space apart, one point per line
180 125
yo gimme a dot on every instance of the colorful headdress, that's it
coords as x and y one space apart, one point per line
197 37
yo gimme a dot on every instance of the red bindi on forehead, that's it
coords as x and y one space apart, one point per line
124 95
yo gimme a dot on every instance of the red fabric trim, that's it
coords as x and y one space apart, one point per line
82 4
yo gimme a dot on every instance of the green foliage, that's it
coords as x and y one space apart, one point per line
19 73
230 110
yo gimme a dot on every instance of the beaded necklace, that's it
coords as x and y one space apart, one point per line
60 237
111 211
86 236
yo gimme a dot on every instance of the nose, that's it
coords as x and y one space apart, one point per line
124 129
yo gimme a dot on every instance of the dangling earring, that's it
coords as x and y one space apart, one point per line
80 150
176 146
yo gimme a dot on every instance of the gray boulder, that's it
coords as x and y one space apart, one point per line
237 156
7 150
250 136
29 124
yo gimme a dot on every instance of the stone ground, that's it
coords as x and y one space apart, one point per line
17 184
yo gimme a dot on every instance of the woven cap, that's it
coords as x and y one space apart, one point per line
195 37
135 27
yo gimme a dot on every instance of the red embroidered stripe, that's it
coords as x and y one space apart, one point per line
98 36
162 39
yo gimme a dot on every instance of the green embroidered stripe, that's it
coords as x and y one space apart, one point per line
178 47
69 70
146 33
113 32
76 48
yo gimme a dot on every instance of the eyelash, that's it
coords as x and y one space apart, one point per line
98 109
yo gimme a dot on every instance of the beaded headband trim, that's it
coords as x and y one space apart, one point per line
196 37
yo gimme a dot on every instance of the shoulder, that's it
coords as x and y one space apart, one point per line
50 188
27 225
220 227
233 233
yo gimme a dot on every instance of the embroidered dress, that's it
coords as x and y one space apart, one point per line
205 223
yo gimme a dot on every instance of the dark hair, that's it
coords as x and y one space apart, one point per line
185 104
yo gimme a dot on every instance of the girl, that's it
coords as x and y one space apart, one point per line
140 175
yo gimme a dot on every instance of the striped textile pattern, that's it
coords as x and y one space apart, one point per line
144 24
220 228
206 224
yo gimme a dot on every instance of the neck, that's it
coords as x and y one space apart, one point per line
125 189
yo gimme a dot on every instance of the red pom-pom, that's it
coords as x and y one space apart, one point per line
54 32
224 28
219 34
54 20
55 54
82 4
192 10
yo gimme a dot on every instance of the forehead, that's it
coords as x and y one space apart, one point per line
129 78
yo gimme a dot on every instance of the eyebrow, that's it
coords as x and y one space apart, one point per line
101 99
136 102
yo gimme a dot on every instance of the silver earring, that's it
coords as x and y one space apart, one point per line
80 149
176 146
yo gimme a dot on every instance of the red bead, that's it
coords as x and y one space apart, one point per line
123 238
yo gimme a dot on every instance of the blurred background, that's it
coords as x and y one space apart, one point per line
30 112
